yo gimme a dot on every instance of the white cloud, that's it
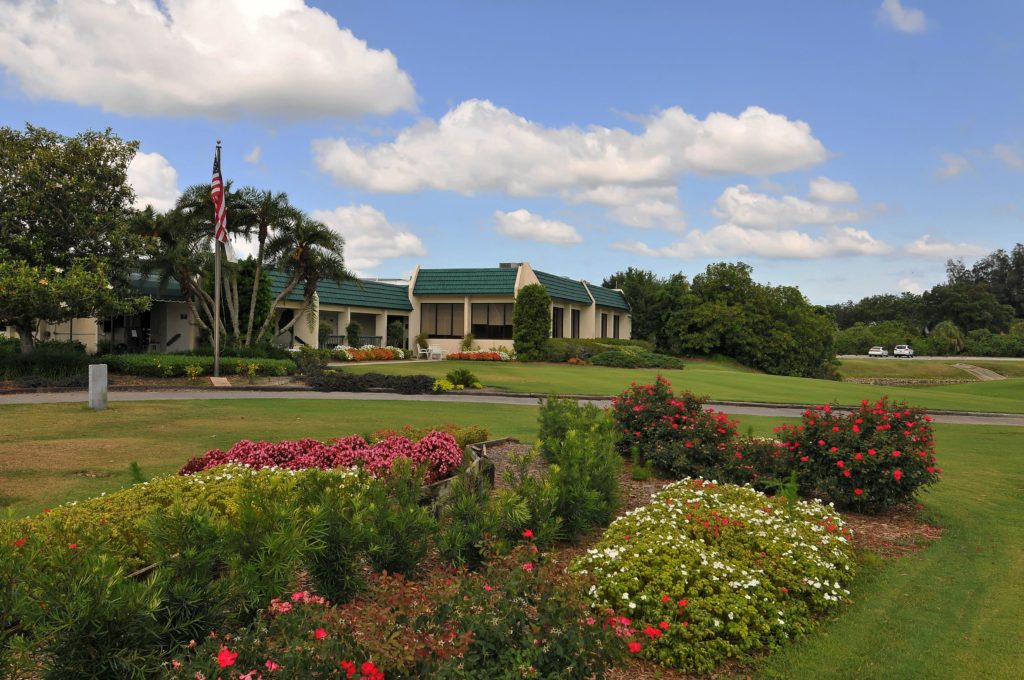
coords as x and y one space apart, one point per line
478 147
938 249
832 191
953 165
523 224
192 57
905 19
908 285
254 156
636 206
740 206
730 240
369 237
1008 155
154 180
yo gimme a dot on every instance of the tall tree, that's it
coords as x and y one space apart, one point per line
65 209
640 287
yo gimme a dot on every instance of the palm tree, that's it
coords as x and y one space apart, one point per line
309 251
264 211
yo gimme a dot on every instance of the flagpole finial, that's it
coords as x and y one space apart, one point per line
218 142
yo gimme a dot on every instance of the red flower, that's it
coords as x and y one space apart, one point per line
840 463
635 647
273 665
858 491
665 598
349 667
72 546
226 657
682 603
527 533
652 632
20 542
320 633
663 625
897 474
858 456
846 473
487 587
528 566
804 459
895 454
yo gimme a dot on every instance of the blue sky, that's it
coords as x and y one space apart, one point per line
847 147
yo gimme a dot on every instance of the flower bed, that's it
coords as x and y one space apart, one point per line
438 451
480 355
707 572
369 353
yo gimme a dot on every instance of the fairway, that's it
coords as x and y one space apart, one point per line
717 381
925 369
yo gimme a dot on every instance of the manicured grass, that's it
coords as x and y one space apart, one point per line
718 382
1011 369
54 453
902 368
952 610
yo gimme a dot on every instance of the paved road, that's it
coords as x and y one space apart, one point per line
921 358
733 408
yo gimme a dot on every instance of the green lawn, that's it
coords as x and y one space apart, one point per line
924 369
718 381
950 611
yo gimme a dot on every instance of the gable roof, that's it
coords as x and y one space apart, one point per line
482 281
350 293
563 288
608 297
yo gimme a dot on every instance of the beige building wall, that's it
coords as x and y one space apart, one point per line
86 331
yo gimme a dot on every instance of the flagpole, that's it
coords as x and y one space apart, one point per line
216 291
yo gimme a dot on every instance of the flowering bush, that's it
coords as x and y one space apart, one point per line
464 434
675 433
480 355
437 451
761 462
870 459
368 353
708 572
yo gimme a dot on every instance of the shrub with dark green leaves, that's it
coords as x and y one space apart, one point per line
585 474
763 463
531 322
871 459
462 376
529 500
176 365
49 361
398 528
620 359
563 349
466 520
341 381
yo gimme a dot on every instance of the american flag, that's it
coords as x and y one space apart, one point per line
220 210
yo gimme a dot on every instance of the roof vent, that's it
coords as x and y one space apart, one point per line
509 265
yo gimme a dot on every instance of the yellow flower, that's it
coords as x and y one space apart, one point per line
43 282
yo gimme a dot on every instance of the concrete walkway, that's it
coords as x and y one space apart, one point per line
979 372
732 408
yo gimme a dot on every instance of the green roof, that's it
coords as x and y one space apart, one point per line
562 288
489 281
149 284
372 294
607 297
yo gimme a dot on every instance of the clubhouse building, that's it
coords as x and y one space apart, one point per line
446 304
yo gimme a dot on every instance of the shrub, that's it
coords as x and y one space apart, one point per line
465 520
620 359
467 342
438 453
762 463
464 434
528 501
310 361
870 459
563 349
463 377
177 365
531 322
675 433
396 333
340 381
352 334
706 573
556 417
50 360
398 528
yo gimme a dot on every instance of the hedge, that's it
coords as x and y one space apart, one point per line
177 365
563 349
340 381
643 359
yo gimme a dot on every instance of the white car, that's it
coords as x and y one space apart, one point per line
905 351
878 352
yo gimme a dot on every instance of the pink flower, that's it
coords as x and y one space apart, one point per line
488 588
226 657
527 566
272 665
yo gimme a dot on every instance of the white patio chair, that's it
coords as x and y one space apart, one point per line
436 351
422 352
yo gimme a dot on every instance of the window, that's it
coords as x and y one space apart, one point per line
442 320
575 323
557 321
604 324
615 327
492 320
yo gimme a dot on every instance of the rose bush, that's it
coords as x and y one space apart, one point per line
707 572
674 432
870 459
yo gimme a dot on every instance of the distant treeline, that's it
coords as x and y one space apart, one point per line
979 310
